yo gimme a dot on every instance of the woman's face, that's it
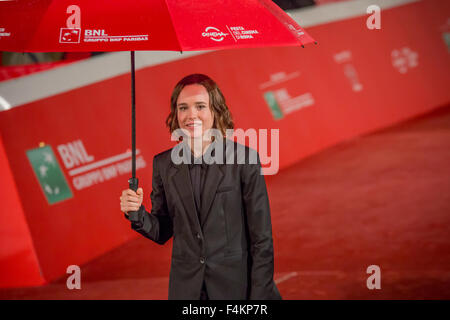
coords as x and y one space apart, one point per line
193 110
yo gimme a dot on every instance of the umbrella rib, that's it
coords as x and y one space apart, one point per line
173 25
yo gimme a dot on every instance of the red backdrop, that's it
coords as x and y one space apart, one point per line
354 82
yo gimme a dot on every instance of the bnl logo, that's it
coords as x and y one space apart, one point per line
95 33
72 32
48 172
69 35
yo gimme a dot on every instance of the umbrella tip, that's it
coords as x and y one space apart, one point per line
315 42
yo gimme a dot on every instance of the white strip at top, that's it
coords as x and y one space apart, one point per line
331 12
40 85
101 163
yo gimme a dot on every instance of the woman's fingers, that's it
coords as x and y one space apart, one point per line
129 192
126 207
130 201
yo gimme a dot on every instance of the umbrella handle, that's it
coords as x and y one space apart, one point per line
133 183
133 216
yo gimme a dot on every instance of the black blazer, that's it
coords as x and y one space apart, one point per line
232 251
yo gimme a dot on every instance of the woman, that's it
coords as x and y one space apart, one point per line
217 210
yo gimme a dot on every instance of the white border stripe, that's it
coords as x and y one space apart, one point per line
44 84
313 16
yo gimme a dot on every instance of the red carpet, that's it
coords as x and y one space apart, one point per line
381 199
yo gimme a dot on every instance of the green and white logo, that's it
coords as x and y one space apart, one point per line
49 174
273 105
446 37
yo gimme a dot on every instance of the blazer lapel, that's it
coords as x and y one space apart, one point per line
213 178
182 183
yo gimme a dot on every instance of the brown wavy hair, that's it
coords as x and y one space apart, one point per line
222 116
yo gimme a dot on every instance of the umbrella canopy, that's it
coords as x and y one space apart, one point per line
116 25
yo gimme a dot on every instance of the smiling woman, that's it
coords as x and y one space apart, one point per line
217 212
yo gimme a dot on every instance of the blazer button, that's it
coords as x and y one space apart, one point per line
199 236
202 260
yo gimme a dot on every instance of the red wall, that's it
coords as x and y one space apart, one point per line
398 72
19 264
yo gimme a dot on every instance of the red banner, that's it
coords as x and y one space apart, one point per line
19 265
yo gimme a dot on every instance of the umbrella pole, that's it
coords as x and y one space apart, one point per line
133 181
133 118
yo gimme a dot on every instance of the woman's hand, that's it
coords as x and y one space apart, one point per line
130 200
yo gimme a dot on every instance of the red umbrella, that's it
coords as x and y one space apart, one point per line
116 25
